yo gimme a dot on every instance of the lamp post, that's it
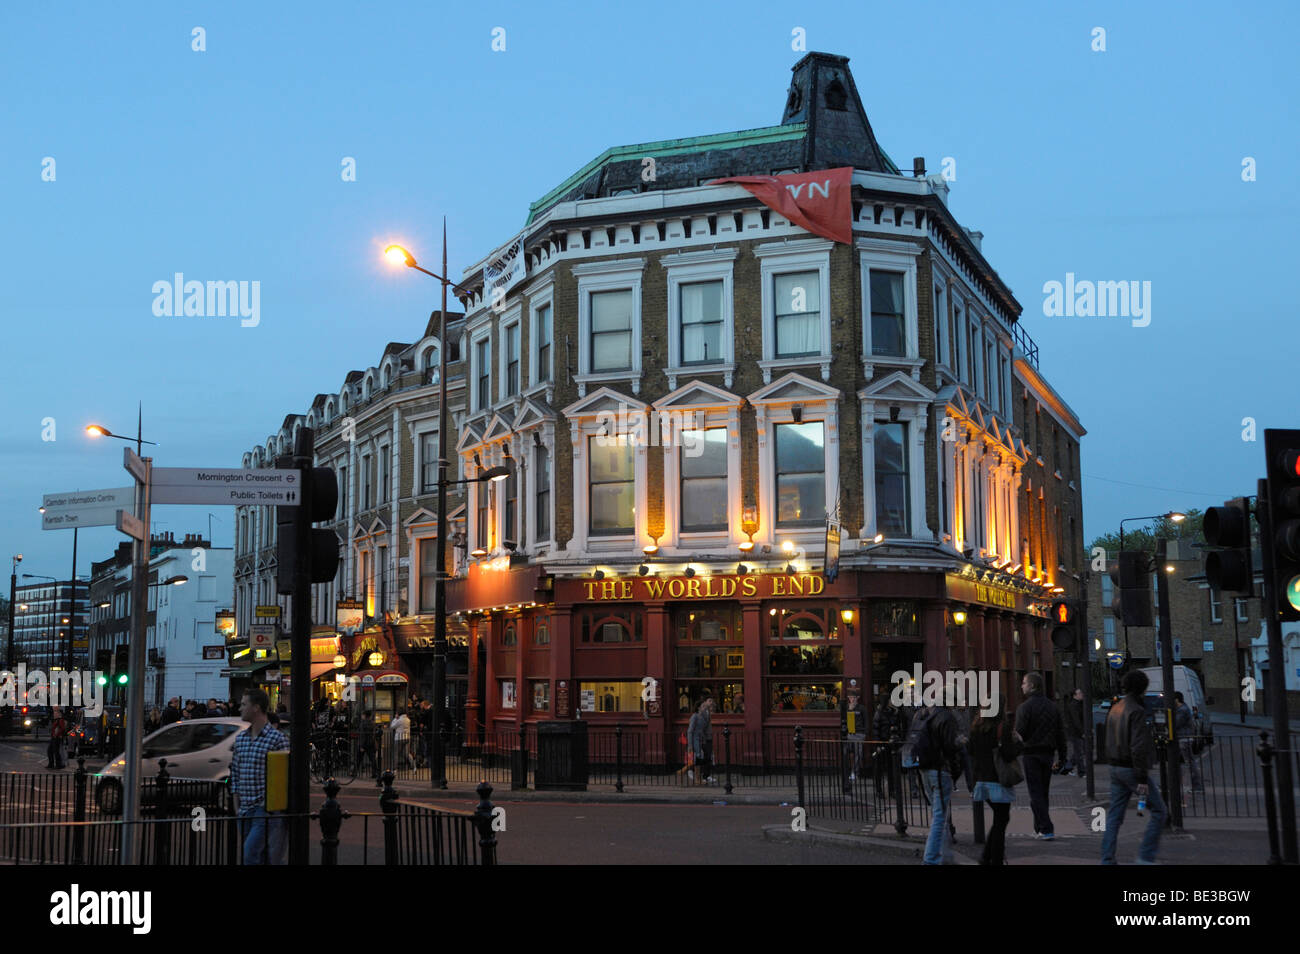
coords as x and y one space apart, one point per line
134 713
13 596
437 770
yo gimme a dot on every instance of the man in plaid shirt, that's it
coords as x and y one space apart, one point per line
263 831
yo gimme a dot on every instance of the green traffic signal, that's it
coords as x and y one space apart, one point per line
121 679
101 680
1293 593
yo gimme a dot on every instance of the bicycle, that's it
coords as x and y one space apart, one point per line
331 756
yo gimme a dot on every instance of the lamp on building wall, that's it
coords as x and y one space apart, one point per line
690 570
376 659
642 570
959 617
741 569
846 614
340 661
598 574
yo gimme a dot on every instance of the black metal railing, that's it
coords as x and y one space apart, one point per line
860 781
209 834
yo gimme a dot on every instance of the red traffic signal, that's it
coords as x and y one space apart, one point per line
1064 635
1282 450
1062 612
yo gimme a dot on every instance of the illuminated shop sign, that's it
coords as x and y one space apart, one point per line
644 589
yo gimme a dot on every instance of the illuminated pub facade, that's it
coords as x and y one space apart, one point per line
682 384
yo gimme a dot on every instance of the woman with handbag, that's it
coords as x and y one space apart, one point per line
994 748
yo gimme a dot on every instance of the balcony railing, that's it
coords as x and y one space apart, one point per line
1025 343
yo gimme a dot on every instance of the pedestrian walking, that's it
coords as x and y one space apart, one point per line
153 722
58 738
889 723
699 736
402 740
262 830
993 754
1039 723
855 708
934 748
1129 747
1185 734
172 713
1074 728
367 744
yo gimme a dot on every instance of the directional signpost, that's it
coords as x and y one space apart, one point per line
85 508
231 486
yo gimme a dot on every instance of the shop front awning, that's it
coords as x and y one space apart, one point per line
320 669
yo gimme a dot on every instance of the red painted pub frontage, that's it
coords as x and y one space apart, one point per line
774 650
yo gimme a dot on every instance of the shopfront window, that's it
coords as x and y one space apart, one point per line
709 658
804 661
893 619
610 696
540 693
602 626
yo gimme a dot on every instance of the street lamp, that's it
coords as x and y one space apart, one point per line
13 595
437 770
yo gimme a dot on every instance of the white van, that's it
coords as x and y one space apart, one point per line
1189 684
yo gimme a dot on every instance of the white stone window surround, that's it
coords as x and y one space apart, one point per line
708 407
686 268
913 401
896 257
480 334
774 404
528 478
513 318
800 255
939 316
540 294
417 426
585 423
617 275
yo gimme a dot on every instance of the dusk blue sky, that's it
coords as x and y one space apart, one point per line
225 165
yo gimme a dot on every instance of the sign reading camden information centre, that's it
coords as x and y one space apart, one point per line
752 585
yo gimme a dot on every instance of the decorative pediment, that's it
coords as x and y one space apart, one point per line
698 394
360 533
422 515
378 526
794 387
533 413
603 401
470 438
457 514
500 427
898 386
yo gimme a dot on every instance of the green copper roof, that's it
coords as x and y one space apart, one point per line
670 147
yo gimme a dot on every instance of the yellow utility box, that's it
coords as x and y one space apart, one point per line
277 781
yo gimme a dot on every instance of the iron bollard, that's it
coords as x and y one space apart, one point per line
79 812
487 839
388 802
1265 750
726 743
232 826
618 758
331 820
896 773
163 832
798 762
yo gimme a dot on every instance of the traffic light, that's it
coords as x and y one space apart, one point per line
120 664
1064 626
1132 586
1282 448
1228 527
299 547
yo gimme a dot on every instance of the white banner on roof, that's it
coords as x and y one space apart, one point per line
504 272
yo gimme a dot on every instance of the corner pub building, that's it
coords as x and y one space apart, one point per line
683 383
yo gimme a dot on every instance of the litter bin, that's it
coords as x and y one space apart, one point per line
561 756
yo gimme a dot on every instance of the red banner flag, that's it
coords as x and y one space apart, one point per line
816 201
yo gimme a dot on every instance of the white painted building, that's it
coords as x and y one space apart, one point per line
182 623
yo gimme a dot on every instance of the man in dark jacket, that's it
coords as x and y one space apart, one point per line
1039 725
939 765
1074 727
1130 749
172 713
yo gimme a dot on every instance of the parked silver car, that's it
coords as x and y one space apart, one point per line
198 749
